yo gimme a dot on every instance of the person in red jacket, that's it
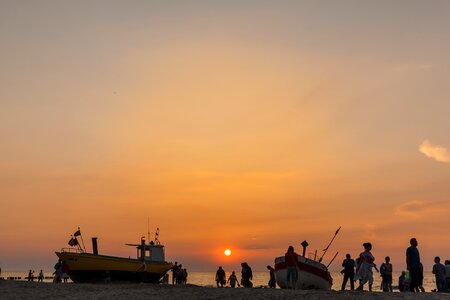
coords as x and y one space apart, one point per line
291 260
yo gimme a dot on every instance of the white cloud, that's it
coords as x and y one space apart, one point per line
411 208
436 152
423 209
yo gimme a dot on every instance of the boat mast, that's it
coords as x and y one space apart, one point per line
78 232
148 229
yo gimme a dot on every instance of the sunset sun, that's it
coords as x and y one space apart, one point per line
227 252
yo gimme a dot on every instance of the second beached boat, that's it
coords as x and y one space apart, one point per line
311 274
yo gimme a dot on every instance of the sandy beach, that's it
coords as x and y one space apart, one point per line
27 290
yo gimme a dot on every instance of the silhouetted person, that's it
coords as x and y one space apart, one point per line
232 280
386 274
413 265
349 272
174 273
65 272
447 274
220 277
30 275
185 276
180 274
272 282
366 261
291 261
41 276
421 288
439 273
58 271
246 275
401 282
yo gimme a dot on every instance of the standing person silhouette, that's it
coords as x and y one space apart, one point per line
447 274
386 274
413 265
246 275
221 277
58 271
30 275
439 273
291 261
349 272
180 274
41 276
232 280
366 264
174 272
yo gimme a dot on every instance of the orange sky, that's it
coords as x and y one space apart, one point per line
242 125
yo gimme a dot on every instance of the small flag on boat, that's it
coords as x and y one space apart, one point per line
73 242
77 233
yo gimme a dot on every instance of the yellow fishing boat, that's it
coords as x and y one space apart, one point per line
148 266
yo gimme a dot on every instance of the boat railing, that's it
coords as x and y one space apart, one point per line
71 250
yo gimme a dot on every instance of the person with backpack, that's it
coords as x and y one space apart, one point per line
386 275
349 272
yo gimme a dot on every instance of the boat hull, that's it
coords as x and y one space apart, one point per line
86 267
311 274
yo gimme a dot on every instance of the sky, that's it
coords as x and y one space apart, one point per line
248 125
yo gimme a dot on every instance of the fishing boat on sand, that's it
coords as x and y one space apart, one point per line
148 266
312 273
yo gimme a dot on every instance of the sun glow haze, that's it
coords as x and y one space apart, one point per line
227 252
250 124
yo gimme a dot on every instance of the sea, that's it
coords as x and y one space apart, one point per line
260 279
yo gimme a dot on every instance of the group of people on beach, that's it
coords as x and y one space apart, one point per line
291 259
61 272
179 274
40 277
411 280
246 277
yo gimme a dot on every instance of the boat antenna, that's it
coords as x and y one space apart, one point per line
326 249
332 259
148 229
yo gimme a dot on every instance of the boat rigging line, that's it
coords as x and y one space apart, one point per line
333 259
326 249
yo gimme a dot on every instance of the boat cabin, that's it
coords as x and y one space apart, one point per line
149 252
